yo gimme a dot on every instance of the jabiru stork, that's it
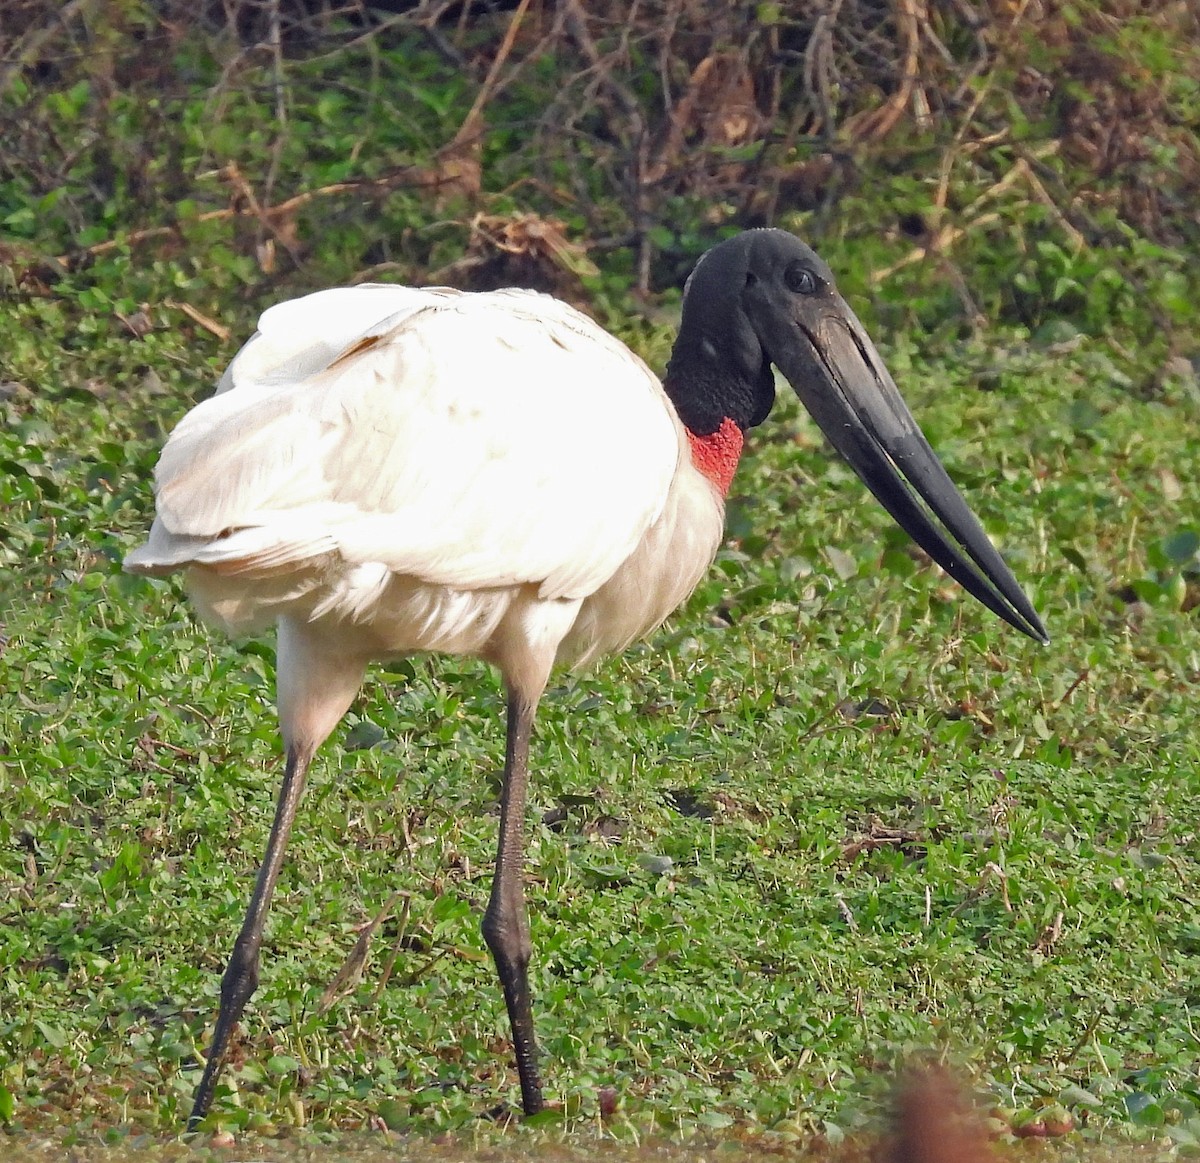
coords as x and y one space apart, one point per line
386 470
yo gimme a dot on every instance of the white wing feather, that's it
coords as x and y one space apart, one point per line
467 440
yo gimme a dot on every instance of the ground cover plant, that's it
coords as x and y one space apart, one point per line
830 815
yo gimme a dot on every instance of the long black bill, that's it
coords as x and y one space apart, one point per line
843 383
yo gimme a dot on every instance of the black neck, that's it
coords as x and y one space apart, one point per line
706 391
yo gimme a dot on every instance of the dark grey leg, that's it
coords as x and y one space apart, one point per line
505 924
241 975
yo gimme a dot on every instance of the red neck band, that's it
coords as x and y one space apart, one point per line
716 455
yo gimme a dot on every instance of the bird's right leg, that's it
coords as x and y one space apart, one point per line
241 974
317 677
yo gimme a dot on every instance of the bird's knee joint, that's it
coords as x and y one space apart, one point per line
241 974
506 936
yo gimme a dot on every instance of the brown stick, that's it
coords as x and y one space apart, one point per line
877 124
951 154
468 126
207 322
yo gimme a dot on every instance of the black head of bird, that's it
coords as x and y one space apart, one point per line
763 298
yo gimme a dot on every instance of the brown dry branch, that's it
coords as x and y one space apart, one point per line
530 233
847 914
349 975
488 88
875 124
991 871
278 84
282 229
633 133
460 159
1050 935
524 250
819 70
394 953
939 243
660 117
951 155
1026 162
198 317
1076 683
904 840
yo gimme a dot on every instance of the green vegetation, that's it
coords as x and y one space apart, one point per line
831 815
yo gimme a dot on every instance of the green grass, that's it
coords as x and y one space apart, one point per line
832 814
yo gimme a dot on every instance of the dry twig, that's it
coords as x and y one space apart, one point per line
351 971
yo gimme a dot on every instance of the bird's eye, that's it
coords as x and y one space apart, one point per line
800 279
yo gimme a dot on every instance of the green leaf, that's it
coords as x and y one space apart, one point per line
1144 1109
1083 415
53 1035
1180 548
1074 1095
655 865
364 735
1188 939
393 1113
843 563
1075 558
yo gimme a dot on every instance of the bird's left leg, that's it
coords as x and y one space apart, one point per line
506 924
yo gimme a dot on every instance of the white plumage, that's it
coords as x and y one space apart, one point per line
420 467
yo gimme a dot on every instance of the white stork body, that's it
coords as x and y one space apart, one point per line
387 470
